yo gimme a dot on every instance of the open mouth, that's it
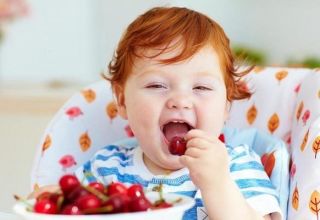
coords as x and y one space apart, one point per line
175 129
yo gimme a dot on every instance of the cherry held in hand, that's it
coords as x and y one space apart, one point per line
177 146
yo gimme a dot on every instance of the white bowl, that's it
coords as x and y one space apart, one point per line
173 213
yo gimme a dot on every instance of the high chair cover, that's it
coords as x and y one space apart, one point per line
285 103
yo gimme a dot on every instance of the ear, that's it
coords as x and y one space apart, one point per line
118 91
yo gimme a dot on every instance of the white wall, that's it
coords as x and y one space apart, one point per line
113 17
73 40
281 28
56 41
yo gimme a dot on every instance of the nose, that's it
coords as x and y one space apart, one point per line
179 101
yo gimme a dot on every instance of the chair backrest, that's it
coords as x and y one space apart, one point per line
89 120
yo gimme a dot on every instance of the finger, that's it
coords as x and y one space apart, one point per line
194 152
199 143
200 134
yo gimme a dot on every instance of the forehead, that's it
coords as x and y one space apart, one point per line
204 60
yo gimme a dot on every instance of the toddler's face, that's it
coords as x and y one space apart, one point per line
163 101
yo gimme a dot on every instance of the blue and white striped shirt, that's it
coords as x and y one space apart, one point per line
123 162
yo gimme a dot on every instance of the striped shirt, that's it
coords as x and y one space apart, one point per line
123 162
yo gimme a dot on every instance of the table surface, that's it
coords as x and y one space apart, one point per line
8 216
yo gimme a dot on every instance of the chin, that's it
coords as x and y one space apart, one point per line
174 164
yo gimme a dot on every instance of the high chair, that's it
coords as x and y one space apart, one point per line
285 103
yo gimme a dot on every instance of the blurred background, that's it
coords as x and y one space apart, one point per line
51 49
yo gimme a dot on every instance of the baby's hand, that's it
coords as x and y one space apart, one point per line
206 158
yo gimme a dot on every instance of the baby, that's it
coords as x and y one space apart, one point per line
173 75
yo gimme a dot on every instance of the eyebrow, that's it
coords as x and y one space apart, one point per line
201 74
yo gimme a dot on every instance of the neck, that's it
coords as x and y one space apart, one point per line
154 168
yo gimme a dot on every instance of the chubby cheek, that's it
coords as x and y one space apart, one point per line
211 120
143 120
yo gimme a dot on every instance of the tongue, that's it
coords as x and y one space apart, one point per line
175 130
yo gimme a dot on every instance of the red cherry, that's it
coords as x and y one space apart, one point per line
45 206
135 191
76 193
68 183
97 186
43 196
88 202
56 196
53 197
177 146
118 203
139 204
115 188
71 209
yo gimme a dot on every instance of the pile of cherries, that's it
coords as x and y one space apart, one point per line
95 198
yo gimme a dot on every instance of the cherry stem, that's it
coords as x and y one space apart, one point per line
24 201
60 202
97 193
161 191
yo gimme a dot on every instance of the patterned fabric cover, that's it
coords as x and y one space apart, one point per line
304 200
89 121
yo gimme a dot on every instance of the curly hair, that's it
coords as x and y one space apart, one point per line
159 28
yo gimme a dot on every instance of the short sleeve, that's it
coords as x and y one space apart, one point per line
248 173
88 172
273 154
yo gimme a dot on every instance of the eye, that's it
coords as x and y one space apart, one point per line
155 86
203 88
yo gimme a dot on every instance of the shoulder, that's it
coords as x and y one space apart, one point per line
117 154
109 160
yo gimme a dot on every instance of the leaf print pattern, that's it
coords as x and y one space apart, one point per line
89 95
273 123
299 110
281 75
268 161
293 170
85 142
314 203
304 141
305 117
47 143
252 114
112 110
295 198
73 112
316 146
297 88
67 161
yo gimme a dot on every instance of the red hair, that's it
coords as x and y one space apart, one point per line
159 28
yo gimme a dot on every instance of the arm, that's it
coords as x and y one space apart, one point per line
226 202
208 162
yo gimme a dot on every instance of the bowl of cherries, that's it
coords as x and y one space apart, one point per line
96 201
